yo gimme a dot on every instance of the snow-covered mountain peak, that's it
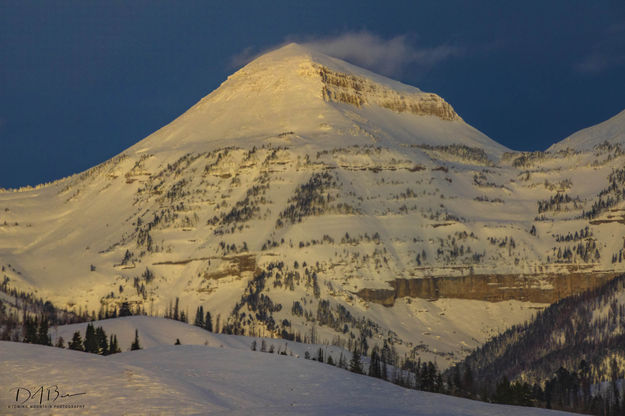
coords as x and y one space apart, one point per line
300 59
304 56
611 131
299 68
297 95
307 191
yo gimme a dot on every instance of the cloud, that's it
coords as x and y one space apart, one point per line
595 63
368 50
606 54
386 56
243 57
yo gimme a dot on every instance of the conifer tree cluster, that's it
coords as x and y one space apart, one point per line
176 313
22 314
95 342
36 330
203 320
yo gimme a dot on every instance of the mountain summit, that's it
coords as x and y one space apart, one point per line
315 97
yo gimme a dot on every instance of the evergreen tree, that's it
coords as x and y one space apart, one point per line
30 330
439 386
428 376
176 315
330 360
418 385
364 346
91 342
454 382
320 355
374 365
76 343
355 366
208 322
135 344
467 381
616 398
199 317
124 310
386 357
103 347
60 343
42 334
114 345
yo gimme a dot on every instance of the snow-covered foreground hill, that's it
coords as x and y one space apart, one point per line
157 332
226 379
308 193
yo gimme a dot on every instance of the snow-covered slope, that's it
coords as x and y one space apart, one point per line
611 131
200 380
306 195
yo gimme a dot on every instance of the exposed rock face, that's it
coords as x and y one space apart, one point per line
239 266
494 288
358 91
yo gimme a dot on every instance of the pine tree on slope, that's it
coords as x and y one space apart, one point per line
135 344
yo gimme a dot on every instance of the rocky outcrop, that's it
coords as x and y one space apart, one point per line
358 91
543 288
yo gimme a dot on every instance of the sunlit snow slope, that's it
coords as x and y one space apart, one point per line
200 380
611 131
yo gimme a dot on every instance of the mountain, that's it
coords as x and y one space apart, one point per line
611 131
310 199
574 349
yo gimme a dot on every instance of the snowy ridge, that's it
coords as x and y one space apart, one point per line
611 131
159 332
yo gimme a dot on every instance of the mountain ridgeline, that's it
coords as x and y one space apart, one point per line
309 198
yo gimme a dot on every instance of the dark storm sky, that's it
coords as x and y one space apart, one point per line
81 81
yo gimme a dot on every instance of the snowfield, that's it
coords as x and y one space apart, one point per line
220 376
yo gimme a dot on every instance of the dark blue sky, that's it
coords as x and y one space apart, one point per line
81 81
